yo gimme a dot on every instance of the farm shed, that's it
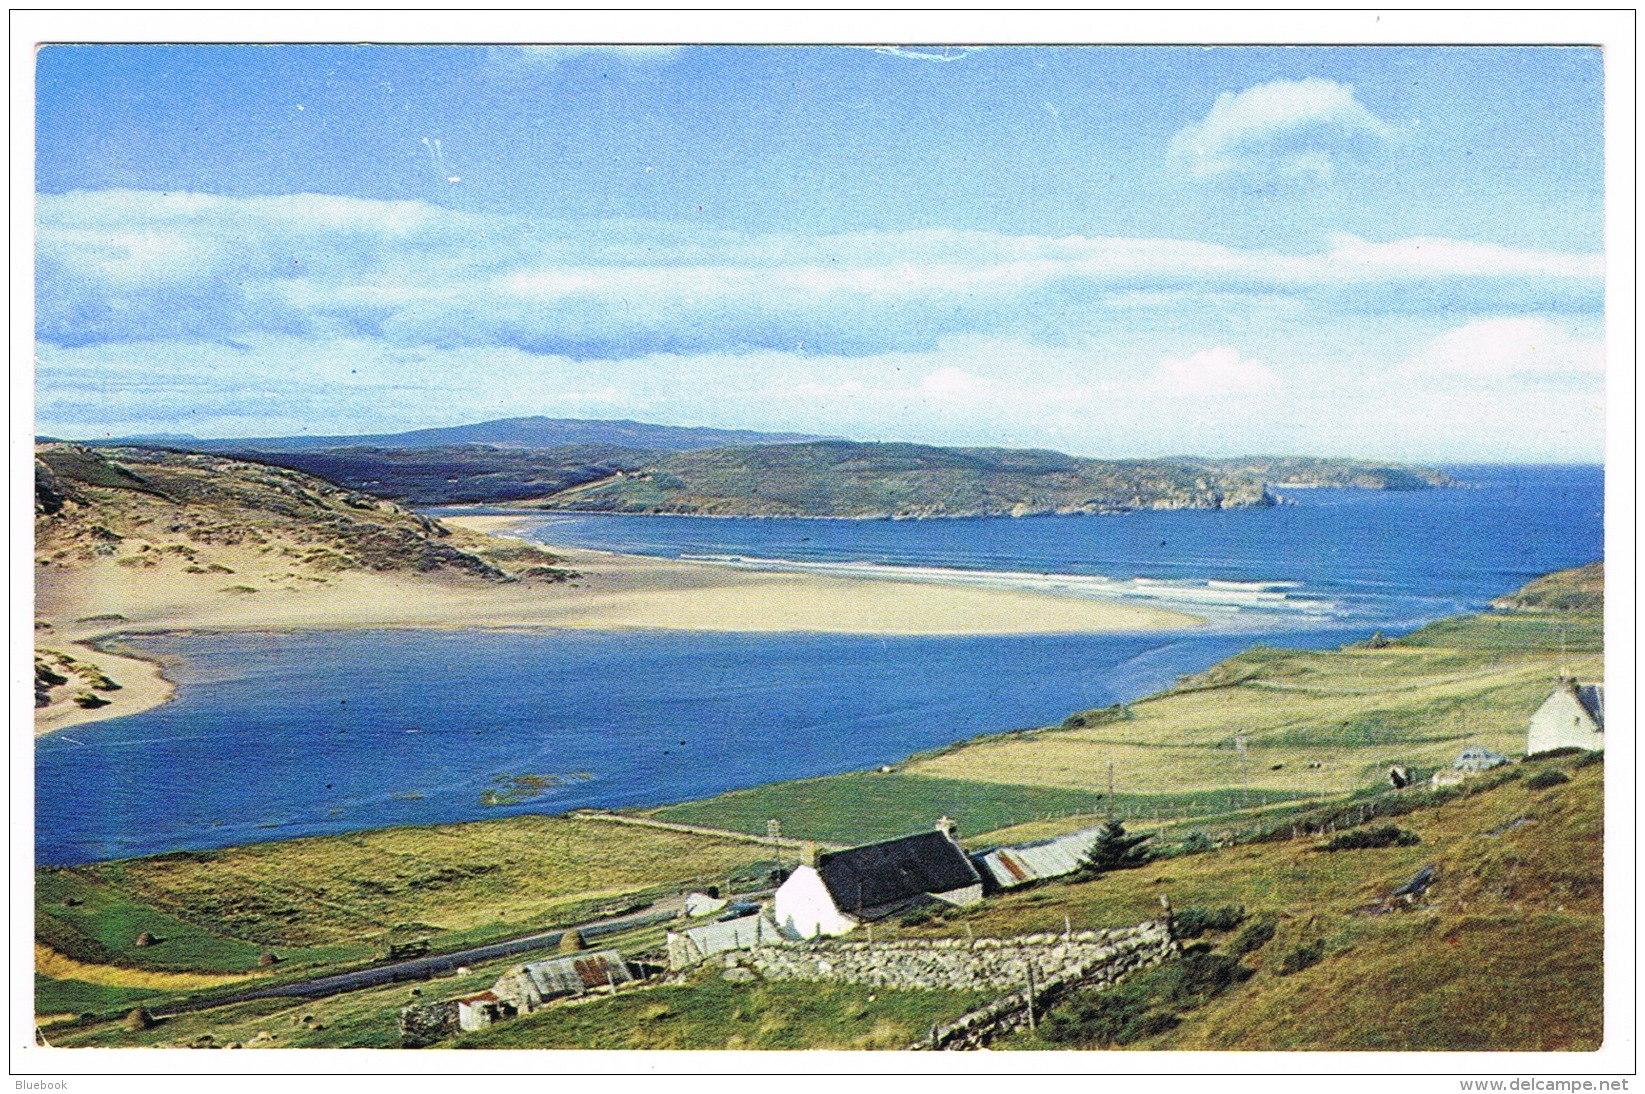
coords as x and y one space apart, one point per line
1478 759
876 880
698 905
1009 867
527 987
687 947
481 1010
1572 717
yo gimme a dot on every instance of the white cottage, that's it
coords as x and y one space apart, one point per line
1572 717
874 881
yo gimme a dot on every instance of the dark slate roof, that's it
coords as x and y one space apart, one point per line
1592 698
878 874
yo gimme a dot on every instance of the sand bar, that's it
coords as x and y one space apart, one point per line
89 603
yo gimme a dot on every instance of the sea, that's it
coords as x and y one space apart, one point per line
275 736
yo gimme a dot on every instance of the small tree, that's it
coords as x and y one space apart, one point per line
1114 850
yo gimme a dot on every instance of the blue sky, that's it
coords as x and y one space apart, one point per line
1390 252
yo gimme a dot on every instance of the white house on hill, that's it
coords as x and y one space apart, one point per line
1572 717
874 881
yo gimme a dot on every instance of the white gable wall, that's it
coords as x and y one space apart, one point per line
804 908
971 894
1561 722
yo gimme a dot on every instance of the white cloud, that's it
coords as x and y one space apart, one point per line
1519 348
1288 127
1220 372
120 265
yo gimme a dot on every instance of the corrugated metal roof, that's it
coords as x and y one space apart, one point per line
578 973
695 943
1013 866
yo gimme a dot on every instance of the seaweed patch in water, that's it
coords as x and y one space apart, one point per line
513 789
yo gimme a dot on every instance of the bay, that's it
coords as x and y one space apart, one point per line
274 736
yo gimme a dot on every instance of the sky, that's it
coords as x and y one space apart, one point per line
1389 252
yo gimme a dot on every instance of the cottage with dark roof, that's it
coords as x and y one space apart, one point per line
1572 717
863 884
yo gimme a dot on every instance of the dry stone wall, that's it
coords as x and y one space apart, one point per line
986 964
427 1023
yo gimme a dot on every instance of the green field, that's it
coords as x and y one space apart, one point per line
1314 722
862 807
333 902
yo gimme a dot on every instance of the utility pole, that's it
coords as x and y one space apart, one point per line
1110 791
774 831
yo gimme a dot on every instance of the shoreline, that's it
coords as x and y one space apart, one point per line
91 605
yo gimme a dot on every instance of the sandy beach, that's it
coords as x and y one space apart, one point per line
89 603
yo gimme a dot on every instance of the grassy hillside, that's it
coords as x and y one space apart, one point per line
1314 722
367 888
854 479
1517 901
1578 590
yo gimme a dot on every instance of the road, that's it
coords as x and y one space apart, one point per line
421 968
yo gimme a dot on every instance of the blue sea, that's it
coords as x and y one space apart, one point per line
276 736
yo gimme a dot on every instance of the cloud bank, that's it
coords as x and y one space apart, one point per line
252 316
121 266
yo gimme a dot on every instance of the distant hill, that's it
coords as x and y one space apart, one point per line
857 479
632 467
1578 590
523 433
470 474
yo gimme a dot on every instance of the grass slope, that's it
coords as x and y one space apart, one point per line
336 900
712 1014
1315 722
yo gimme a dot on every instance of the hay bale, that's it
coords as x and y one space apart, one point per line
139 1018
145 939
572 941
267 958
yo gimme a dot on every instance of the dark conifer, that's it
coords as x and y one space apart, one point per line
1115 850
